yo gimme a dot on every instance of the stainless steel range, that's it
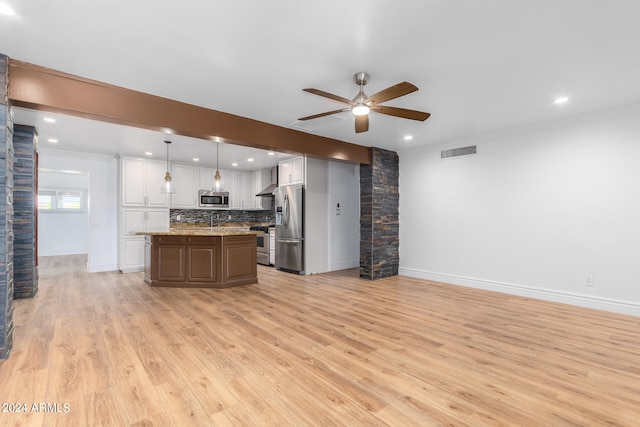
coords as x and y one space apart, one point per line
262 242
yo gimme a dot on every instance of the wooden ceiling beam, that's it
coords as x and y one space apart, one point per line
35 87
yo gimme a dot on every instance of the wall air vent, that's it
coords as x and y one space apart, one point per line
457 152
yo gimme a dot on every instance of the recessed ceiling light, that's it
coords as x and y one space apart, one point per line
52 140
49 120
195 159
234 164
250 160
561 100
5 9
271 153
148 153
408 138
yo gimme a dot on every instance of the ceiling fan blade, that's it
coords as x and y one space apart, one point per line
401 112
328 95
328 113
362 123
391 92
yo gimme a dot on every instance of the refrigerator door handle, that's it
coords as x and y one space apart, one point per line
286 210
289 240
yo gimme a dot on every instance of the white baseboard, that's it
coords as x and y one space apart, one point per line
62 252
344 265
136 269
589 301
101 268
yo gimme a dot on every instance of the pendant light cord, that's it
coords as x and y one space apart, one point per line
167 143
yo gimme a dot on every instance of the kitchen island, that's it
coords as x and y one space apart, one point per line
200 258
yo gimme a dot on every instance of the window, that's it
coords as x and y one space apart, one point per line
61 200
70 200
46 199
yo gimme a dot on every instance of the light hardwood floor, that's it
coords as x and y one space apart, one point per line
328 349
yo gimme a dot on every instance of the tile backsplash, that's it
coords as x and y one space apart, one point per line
202 217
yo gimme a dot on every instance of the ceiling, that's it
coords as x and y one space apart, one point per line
481 66
90 136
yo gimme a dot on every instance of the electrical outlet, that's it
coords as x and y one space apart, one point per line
178 217
229 217
589 281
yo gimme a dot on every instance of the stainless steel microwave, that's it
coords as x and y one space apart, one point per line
213 199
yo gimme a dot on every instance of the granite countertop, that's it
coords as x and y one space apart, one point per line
201 231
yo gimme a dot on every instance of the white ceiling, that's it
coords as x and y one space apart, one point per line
89 136
481 66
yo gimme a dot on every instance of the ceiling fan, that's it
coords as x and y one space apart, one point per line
362 104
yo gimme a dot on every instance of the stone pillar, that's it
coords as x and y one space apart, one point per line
379 223
6 213
25 263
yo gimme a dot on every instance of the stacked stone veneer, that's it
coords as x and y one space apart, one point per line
25 270
6 214
379 223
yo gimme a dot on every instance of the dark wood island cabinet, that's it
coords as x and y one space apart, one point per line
215 259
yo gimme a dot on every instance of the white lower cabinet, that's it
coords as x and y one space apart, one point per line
132 254
132 245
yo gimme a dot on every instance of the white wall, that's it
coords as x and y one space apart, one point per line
316 245
102 230
332 242
344 229
534 213
59 232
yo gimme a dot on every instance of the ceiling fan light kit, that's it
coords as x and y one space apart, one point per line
360 110
362 105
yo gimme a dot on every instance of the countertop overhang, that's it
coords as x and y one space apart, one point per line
204 231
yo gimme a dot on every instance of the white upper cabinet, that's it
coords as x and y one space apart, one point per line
186 182
224 181
206 178
245 190
133 185
141 183
155 173
291 171
232 181
256 186
259 180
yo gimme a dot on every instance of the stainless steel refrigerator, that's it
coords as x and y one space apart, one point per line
289 205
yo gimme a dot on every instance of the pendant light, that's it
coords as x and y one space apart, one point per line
167 186
217 179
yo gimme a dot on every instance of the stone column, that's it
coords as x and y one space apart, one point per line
379 223
6 213
25 264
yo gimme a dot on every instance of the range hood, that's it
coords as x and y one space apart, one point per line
268 191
